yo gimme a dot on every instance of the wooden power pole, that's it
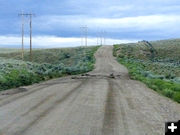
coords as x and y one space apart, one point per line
104 35
30 23
103 38
84 32
22 27
82 36
97 39
30 36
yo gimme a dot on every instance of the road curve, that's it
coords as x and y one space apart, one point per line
103 102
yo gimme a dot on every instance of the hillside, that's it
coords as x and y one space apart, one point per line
155 63
46 64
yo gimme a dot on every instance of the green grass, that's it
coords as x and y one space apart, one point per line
160 72
46 64
8 50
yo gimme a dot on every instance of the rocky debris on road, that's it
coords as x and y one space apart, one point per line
89 76
112 75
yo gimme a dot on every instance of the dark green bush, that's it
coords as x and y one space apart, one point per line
177 97
168 93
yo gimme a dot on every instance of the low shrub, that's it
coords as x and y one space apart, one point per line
15 73
160 83
176 97
168 93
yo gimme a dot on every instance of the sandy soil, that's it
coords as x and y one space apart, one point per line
102 102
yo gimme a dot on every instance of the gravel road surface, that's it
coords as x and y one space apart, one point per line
102 102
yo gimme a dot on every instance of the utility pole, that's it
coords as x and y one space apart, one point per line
84 32
103 37
30 24
97 38
82 35
104 34
30 36
22 48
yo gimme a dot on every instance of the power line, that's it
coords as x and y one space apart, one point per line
84 35
104 34
31 35
102 37
81 36
22 27
97 39
30 25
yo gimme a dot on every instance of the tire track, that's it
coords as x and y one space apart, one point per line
8 101
122 108
30 110
110 118
29 91
128 111
39 104
50 108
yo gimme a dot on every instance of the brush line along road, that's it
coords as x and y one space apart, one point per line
102 102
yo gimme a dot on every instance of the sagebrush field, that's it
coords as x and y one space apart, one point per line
46 64
156 63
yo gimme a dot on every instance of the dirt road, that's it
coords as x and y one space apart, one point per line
94 104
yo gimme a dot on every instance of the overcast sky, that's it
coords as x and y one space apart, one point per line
57 22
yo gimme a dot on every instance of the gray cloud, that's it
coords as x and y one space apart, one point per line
139 19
